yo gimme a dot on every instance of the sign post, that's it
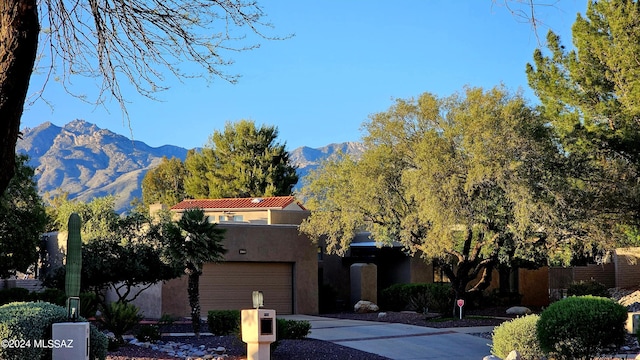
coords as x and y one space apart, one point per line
460 305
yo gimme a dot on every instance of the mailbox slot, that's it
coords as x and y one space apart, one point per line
266 326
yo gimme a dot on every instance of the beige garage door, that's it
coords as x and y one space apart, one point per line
228 286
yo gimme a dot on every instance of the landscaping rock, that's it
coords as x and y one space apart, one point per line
518 310
364 306
491 357
513 355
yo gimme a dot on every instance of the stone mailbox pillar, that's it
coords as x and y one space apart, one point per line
258 331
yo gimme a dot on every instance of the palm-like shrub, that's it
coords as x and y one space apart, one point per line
193 242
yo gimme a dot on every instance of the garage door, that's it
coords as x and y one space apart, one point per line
228 286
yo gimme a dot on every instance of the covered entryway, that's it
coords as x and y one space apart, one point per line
228 286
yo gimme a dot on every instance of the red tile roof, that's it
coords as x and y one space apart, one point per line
274 202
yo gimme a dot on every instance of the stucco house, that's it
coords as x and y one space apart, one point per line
265 252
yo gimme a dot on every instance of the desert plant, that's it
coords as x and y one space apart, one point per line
74 264
148 333
518 334
119 318
54 296
223 322
590 287
392 298
581 326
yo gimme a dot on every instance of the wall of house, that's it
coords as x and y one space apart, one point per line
261 243
287 216
627 267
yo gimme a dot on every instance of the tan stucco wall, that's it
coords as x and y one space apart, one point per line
263 243
534 286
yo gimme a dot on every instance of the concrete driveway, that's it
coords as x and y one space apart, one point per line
400 341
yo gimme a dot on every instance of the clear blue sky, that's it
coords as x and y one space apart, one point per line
347 60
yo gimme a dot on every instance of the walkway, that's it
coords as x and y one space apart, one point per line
400 341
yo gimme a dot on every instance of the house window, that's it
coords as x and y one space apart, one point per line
238 218
221 218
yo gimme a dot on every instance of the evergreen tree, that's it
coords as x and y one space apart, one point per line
241 161
591 95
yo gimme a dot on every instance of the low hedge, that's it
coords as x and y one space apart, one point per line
224 322
31 321
417 297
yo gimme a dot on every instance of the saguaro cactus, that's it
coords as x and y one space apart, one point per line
74 266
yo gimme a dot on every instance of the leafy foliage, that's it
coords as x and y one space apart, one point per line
164 184
119 317
224 322
520 335
590 96
578 327
32 321
22 220
469 181
417 297
590 287
241 161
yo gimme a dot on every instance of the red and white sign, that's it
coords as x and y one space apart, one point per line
460 302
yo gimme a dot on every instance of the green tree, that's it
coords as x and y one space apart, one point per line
123 253
165 183
22 220
241 161
98 216
591 95
136 41
192 242
463 180
129 260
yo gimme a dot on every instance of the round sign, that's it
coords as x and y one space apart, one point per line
460 302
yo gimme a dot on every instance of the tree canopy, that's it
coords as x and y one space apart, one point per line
467 181
241 161
591 96
22 221
165 183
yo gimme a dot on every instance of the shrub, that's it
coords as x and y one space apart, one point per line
32 321
148 333
590 287
582 326
53 296
518 334
119 318
292 329
417 297
14 295
88 304
224 322
392 298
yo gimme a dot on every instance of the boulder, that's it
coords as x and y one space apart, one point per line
364 306
518 310
491 357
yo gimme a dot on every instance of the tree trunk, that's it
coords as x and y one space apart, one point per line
19 30
194 299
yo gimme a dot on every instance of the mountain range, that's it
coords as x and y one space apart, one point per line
86 161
